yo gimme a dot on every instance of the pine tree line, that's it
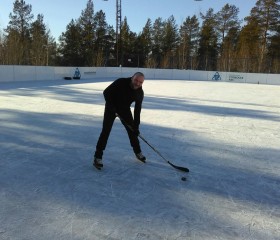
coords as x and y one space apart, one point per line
219 42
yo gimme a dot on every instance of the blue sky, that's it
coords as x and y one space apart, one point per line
57 14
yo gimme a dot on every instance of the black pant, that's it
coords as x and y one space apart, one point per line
108 120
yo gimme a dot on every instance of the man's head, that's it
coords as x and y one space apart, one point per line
137 80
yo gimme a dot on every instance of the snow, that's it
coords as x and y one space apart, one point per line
227 134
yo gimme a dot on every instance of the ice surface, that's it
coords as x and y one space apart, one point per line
228 134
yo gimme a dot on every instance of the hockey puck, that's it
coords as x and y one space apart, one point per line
183 179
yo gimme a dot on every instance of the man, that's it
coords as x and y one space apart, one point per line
119 96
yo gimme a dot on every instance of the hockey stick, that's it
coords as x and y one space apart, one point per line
184 169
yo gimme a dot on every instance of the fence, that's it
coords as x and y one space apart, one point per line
13 73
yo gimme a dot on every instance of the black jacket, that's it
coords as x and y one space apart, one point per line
119 95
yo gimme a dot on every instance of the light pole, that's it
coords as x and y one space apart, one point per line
118 30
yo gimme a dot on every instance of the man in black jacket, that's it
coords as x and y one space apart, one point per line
119 96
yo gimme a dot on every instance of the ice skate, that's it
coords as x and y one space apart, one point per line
97 162
140 157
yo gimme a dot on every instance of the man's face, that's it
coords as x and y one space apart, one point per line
137 82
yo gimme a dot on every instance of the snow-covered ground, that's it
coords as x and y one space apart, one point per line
228 134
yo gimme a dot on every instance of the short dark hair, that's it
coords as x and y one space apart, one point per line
138 74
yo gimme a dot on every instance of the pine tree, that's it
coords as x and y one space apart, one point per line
228 57
128 41
42 43
228 25
18 33
101 38
208 52
189 34
227 19
248 47
170 43
144 46
157 42
88 36
2 48
274 52
70 45
266 14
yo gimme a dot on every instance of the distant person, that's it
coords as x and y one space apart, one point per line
119 96
77 74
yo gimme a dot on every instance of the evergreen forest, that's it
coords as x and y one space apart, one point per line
212 41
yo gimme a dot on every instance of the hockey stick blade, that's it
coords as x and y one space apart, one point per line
184 169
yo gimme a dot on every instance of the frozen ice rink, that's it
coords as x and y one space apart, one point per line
227 134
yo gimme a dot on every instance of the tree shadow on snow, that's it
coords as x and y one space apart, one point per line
47 178
189 105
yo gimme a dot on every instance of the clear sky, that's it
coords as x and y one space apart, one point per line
58 13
